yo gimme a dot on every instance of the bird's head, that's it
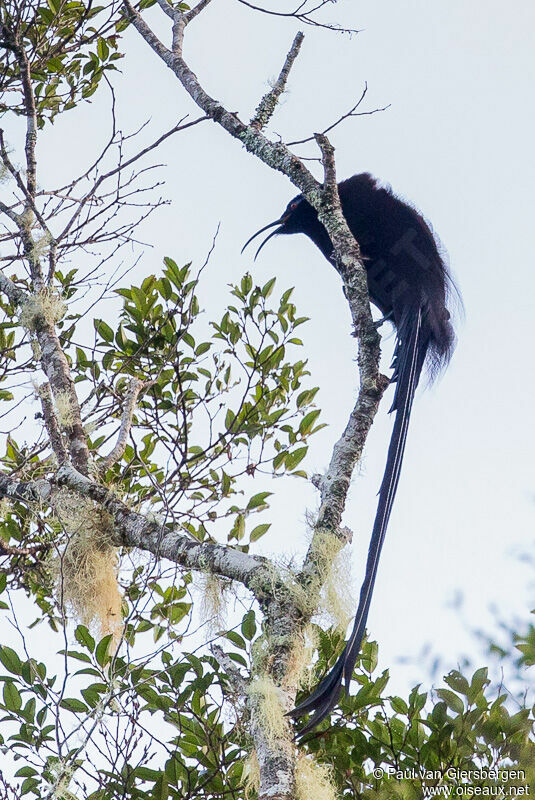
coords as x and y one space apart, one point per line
298 217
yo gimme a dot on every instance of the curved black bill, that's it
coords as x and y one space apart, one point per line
265 241
265 228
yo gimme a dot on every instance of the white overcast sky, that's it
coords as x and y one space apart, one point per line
458 142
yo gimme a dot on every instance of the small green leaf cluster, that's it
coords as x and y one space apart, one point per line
70 47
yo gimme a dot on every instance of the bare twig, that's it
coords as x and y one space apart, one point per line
11 550
122 166
351 113
302 14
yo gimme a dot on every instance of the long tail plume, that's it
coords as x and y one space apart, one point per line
411 350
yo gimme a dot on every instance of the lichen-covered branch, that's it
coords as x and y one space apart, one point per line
31 120
268 103
134 389
133 529
56 368
238 682
53 360
25 491
51 423
15 294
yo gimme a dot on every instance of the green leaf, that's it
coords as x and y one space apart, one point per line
102 49
72 704
236 639
25 772
229 419
258 500
238 529
77 655
452 700
10 660
457 682
102 653
82 635
248 625
307 423
267 288
246 283
399 705
161 789
479 681
103 330
259 531
12 698
293 459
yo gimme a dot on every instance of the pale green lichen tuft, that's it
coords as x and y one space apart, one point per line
336 601
46 305
251 775
303 647
41 246
61 774
214 600
312 780
65 410
5 174
266 697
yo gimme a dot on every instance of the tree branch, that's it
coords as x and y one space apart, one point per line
267 105
277 156
134 390
57 370
51 423
16 295
238 682
30 200
133 529
31 119
283 618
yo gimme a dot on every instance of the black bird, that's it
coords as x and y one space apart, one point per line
409 282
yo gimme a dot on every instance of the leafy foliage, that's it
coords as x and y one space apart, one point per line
469 733
178 739
67 48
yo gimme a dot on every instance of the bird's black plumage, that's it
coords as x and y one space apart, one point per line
409 283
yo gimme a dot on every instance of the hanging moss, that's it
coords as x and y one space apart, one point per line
313 780
87 569
266 696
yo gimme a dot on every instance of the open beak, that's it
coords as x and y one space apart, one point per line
265 228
